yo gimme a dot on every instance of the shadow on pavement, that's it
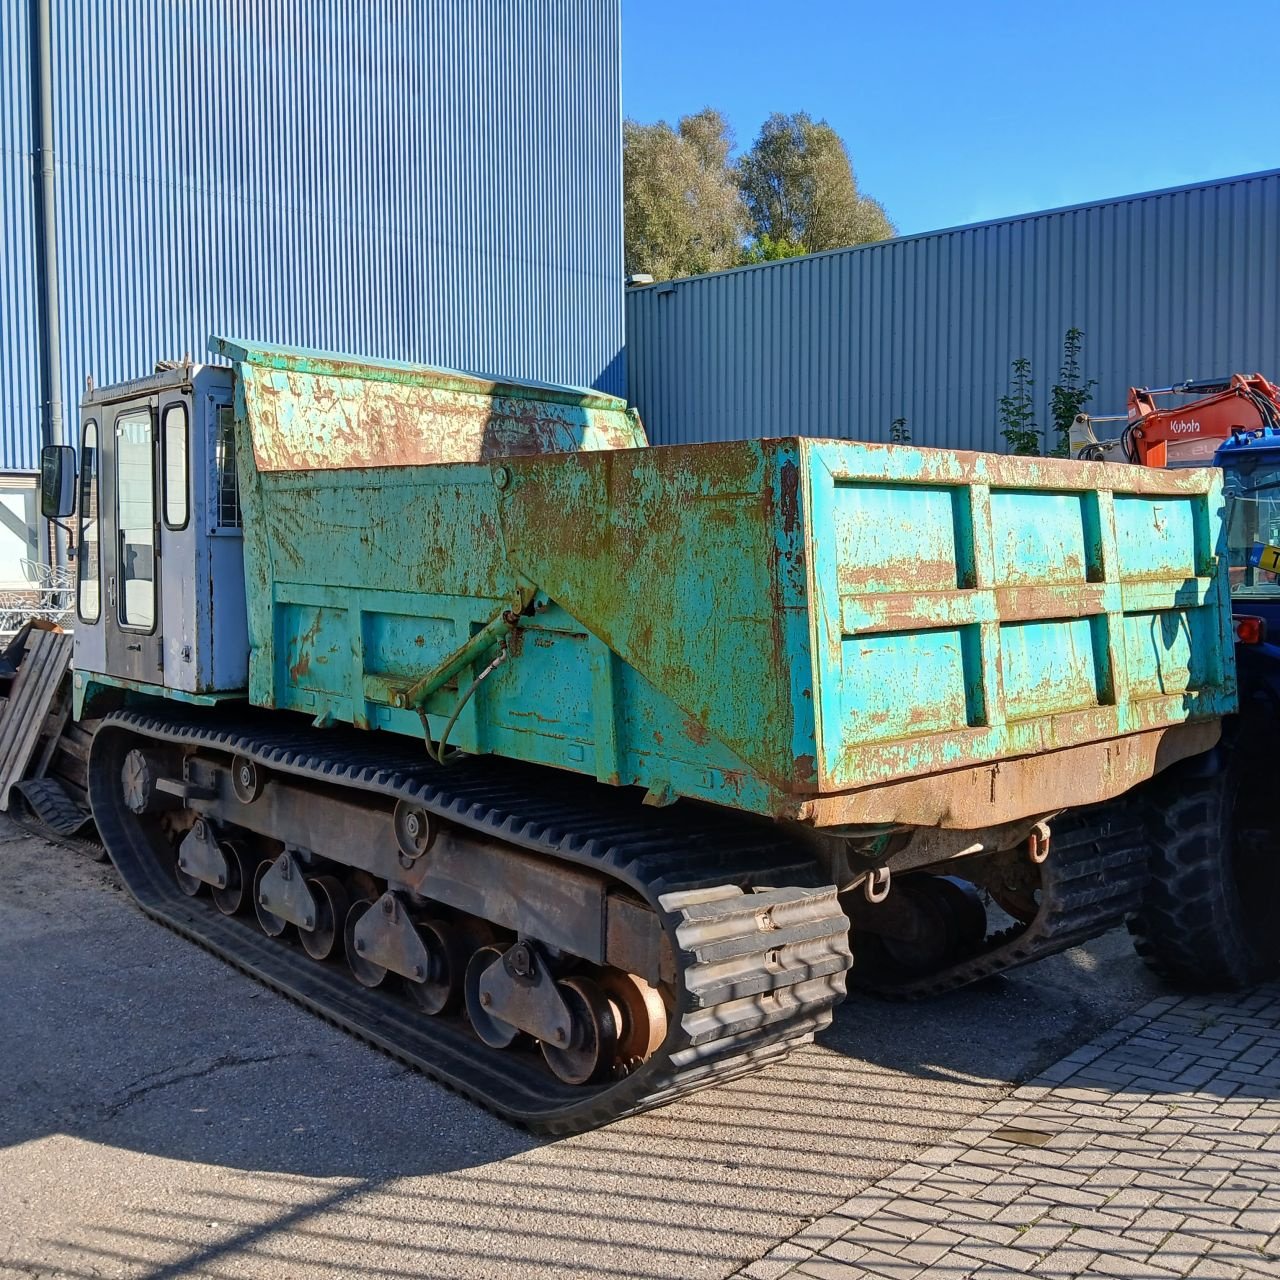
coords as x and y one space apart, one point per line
295 1149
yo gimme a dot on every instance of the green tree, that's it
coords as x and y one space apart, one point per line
1017 411
799 187
682 209
1070 393
767 249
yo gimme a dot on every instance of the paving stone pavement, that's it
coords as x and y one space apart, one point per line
1152 1152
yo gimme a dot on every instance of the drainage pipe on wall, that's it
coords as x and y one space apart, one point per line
47 238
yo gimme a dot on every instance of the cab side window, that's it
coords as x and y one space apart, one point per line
173 440
88 572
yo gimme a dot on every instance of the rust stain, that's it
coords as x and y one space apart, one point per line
857 572
302 666
967 797
534 715
695 732
789 497
331 420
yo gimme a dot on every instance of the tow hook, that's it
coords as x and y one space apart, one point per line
1038 843
876 885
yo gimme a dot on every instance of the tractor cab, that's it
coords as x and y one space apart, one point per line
160 599
1250 462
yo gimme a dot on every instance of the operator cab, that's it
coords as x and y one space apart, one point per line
160 598
1250 462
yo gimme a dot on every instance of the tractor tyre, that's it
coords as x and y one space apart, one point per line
1206 917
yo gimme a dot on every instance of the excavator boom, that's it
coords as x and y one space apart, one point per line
1188 433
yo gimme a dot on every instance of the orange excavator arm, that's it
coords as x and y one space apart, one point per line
1190 433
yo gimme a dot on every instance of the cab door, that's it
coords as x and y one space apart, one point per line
131 544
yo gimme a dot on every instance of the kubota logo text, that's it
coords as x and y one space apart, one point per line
1187 427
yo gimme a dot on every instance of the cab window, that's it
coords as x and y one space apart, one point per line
176 471
88 571
136 520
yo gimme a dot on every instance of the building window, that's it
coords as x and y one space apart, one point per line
228 481
173 436
89 597
19 539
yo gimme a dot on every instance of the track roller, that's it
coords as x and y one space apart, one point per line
592 1040
204 860
367 973
496 1033
415 831
246 780
272 925
233 897
326 935
625 1005
189 884
440 991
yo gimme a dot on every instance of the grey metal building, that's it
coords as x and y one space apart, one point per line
1166 285
435 182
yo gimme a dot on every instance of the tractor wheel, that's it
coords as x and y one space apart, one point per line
1206 919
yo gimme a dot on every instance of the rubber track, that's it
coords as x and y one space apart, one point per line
761 971
49 801
1092 881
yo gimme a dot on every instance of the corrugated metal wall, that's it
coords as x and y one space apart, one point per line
1166 286
436 181
19 271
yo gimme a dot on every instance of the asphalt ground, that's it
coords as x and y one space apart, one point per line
162 1115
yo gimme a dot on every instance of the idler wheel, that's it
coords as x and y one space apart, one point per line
137 783
366 972
441 990
234 897
593 1037
270 923
331 913
496 1033
641 1012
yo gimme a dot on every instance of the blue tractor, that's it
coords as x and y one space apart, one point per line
1208 916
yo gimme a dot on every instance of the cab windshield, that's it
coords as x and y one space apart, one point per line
1253 515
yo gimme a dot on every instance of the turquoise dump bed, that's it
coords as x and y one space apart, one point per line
835 632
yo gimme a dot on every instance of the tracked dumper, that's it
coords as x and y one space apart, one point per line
581 773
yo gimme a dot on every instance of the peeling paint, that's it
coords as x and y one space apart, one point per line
788 626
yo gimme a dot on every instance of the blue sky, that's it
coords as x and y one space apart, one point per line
957 112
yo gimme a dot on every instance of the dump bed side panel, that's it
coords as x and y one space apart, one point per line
668 645
318 412
688 562
775 625
972 607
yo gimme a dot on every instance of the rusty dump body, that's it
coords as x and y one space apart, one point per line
834 632
603 766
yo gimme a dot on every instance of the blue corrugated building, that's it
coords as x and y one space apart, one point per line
435 182
1167 285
